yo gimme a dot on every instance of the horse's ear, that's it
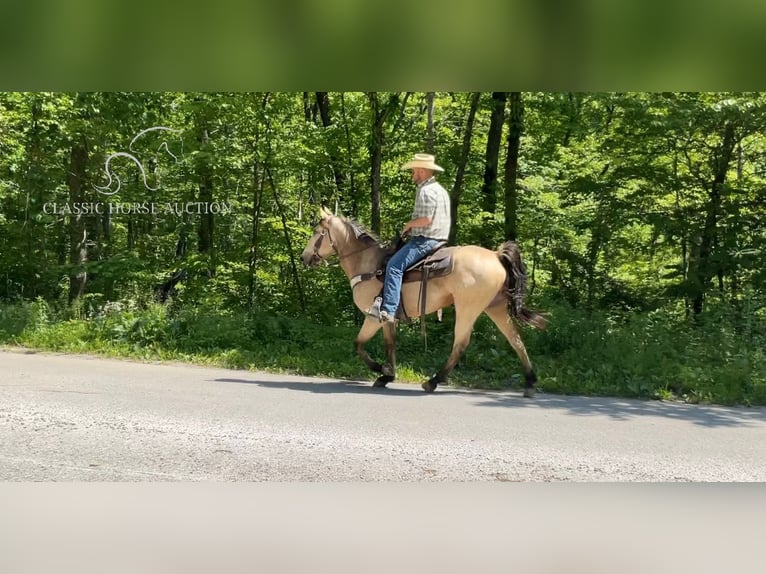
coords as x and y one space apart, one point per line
324 212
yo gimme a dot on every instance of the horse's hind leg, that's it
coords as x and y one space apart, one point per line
465 317
499 315
367 332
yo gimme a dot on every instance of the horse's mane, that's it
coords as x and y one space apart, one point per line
362 233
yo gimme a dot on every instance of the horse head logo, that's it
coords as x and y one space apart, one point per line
113 177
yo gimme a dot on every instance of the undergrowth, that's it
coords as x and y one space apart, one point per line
648 355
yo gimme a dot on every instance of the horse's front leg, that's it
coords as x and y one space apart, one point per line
367 332
388 370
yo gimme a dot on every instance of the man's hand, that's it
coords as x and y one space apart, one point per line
420 222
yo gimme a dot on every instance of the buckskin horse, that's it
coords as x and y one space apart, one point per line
477 280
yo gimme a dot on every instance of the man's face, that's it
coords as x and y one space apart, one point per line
419 174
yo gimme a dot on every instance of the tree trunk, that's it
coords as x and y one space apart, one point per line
376 160
703 267
457 188
34 178
258 180
258 183
78 232
591 262
354 193
430 123
323 103
734 269
489 187
573 116
205 243
379 114
288 243
515 129
533 274
309 109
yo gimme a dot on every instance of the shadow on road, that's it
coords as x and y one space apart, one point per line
617 409
329 387
626 409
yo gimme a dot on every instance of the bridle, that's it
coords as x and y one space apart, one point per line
318 244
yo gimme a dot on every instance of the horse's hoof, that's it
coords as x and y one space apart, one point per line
530 393
429 386
382 381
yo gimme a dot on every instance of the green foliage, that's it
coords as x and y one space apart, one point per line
24 316
640 217
653 355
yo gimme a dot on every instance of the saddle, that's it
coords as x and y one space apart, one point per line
438 263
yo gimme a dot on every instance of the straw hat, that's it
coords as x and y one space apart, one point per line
422 160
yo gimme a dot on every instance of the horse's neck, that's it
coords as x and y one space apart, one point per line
358 257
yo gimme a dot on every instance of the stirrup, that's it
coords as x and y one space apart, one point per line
385 317
374 310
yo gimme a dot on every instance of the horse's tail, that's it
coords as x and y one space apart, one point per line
515 286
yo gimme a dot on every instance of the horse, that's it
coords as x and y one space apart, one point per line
481 280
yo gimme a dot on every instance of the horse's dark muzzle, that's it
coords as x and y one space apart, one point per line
310 259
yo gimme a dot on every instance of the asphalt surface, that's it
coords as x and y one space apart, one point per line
76 418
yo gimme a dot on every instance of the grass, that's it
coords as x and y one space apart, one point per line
646 355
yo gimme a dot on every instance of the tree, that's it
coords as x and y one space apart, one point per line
465 150
204 174
515 129
430 123
336 164
381 111
489 187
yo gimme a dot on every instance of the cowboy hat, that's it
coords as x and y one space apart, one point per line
424 161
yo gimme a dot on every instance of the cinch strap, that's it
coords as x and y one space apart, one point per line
357 279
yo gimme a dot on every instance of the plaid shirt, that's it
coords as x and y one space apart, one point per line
432 201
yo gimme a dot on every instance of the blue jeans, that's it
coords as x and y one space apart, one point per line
412 252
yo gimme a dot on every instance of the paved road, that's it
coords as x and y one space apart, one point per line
65 418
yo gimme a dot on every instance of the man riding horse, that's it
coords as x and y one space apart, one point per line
475 280
429 228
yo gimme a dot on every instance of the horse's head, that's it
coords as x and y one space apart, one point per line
321 244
